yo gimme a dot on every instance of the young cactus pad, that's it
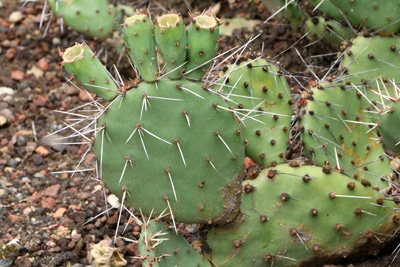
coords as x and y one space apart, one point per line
303 217
138 35
170 36
93 18
201 52
261 97
83 65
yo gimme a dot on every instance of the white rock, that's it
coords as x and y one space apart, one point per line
6 91
15 16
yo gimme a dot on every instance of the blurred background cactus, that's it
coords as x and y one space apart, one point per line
173 143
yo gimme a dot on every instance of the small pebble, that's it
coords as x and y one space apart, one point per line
44 152
37 159
55 141
13 162
6 91
21 140
52 190
10 53
15 16
4 122
37 72
59 213
43 64
86 96
17 75
30 147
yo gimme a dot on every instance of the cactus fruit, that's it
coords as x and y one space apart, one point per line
169 134
93 18
261 96
337 134
160 246
302 216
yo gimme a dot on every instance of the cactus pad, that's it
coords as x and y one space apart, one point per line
93 18
303 216
261 96
338 133
166 144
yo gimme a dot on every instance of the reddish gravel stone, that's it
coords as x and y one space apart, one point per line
48 203
52 190
17 75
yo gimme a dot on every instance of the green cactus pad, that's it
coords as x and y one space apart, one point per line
139 38
303 217
368 59
172 144
163 247
83 65
389 127
338 133
326 8
382 17
261 97
93 18
170 36
331 32
202 45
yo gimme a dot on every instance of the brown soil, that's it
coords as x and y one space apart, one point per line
43 205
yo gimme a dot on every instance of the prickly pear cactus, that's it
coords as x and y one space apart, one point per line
166 144
303 216
260 94
93 18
